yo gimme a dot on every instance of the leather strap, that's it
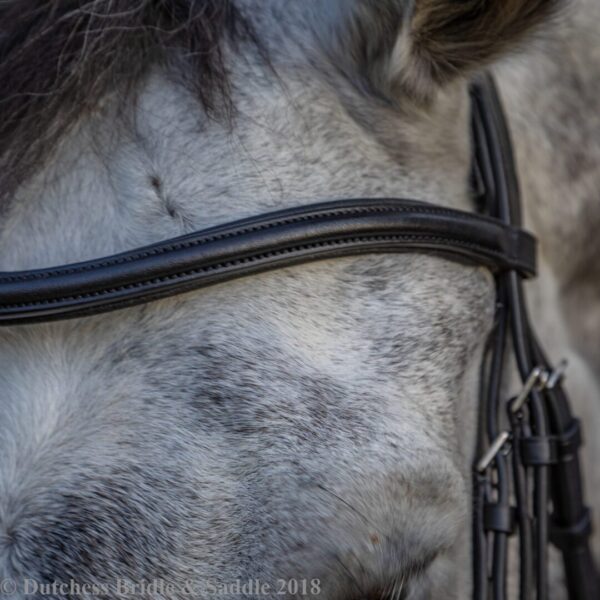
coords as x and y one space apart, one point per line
543 437
274 240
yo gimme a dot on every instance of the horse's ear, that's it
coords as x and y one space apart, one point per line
446 38
420 44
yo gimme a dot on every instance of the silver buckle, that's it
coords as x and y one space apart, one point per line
541 379
553 378
536 377
496 447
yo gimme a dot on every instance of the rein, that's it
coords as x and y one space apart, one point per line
527 480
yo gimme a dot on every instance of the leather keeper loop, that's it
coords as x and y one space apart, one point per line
500 518
565 537
539 451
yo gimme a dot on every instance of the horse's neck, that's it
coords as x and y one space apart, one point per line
551 97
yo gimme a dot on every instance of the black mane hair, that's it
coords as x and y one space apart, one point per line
59 58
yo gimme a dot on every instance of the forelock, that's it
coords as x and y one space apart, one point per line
59 59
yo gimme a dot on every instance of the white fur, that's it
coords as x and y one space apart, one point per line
315 422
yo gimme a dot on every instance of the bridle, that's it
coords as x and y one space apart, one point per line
528 478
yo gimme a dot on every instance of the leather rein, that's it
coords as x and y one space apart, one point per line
527 479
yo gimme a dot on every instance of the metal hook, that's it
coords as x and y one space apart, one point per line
493 451
552 379
535 377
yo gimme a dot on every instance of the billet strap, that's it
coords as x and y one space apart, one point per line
542 437
270 241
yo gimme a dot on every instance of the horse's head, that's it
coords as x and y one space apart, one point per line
314 424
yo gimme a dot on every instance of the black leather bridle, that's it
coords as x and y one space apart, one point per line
528 478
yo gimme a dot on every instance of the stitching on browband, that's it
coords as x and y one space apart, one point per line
253 258
162 249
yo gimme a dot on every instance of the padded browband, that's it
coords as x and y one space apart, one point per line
270 241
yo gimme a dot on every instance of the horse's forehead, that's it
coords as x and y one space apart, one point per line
168 169
164 168
122 180
222 411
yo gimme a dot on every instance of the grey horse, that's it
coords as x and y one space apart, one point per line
310 429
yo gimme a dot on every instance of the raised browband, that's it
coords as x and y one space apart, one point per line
269 241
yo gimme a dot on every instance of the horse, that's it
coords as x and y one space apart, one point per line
313 428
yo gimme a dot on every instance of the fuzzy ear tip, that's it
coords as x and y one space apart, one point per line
450 37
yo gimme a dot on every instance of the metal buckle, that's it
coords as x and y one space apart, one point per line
536 377
540 379
552 379
496 447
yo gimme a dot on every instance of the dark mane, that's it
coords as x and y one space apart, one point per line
59 58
